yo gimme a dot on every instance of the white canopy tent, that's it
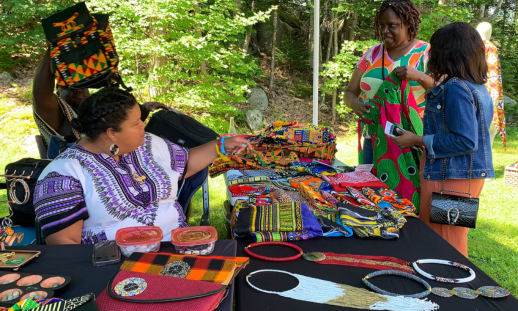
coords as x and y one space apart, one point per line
316 50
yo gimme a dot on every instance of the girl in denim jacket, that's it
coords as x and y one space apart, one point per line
456 123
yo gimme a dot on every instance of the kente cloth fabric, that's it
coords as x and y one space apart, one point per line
234 176
299 132
385 198
306 180
292 217
372 221
396 167
24 305
332 228
200 268
254 160
345 197
139 190
495 89
65 130
240 204
353 179
244 190
259 173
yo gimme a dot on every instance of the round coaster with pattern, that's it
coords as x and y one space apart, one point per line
130 287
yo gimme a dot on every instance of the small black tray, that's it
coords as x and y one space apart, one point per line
39 283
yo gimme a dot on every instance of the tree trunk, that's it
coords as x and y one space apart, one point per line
335 35
274 40
156 62
352 26
248 35
497 10
328 55
481 11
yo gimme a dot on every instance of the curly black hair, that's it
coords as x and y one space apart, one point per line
405 10
103 110
457 50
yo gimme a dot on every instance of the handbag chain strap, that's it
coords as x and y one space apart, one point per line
444 159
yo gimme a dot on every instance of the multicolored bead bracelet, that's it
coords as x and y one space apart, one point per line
470 278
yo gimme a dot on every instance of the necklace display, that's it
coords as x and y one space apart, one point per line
372 262
330 293
7 234
470 278
461 292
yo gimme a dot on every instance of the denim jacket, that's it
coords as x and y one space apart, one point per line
456 126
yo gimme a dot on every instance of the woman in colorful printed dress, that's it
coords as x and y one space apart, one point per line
397 25
117 175
459 112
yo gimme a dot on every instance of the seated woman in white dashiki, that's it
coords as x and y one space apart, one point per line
117 175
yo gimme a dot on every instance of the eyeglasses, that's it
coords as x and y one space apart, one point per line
390 26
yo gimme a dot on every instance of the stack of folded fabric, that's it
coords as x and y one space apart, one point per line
278 222
282 146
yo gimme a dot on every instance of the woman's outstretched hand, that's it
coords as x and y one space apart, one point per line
236 144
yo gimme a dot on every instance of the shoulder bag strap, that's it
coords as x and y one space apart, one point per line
444 160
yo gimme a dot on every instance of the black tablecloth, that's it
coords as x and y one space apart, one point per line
76 262
417 241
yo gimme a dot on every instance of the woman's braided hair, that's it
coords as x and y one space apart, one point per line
405 10
103 110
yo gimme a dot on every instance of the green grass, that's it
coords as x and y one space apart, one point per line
493 246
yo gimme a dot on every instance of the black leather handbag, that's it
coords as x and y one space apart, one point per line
453 210
21 177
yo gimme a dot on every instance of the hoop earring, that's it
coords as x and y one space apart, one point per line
114 149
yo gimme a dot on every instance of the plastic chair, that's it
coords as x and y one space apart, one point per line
42 148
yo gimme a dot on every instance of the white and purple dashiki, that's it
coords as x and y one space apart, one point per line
95 188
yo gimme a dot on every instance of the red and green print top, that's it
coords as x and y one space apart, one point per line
371 63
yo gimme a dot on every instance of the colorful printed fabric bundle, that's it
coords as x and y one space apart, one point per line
277 222
316 199
386 198
283 196
345 197
299 132
245 190
331 228
359 197
398 168
356 180
372 221
249 180
280 147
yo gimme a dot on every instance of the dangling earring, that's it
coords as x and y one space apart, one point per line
114 149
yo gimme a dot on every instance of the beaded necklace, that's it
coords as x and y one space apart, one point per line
330 293
461 292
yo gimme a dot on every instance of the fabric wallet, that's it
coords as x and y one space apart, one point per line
135 291
215 270
453 210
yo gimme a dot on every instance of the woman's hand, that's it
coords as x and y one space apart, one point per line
360 108
236 144
407 139
408 73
